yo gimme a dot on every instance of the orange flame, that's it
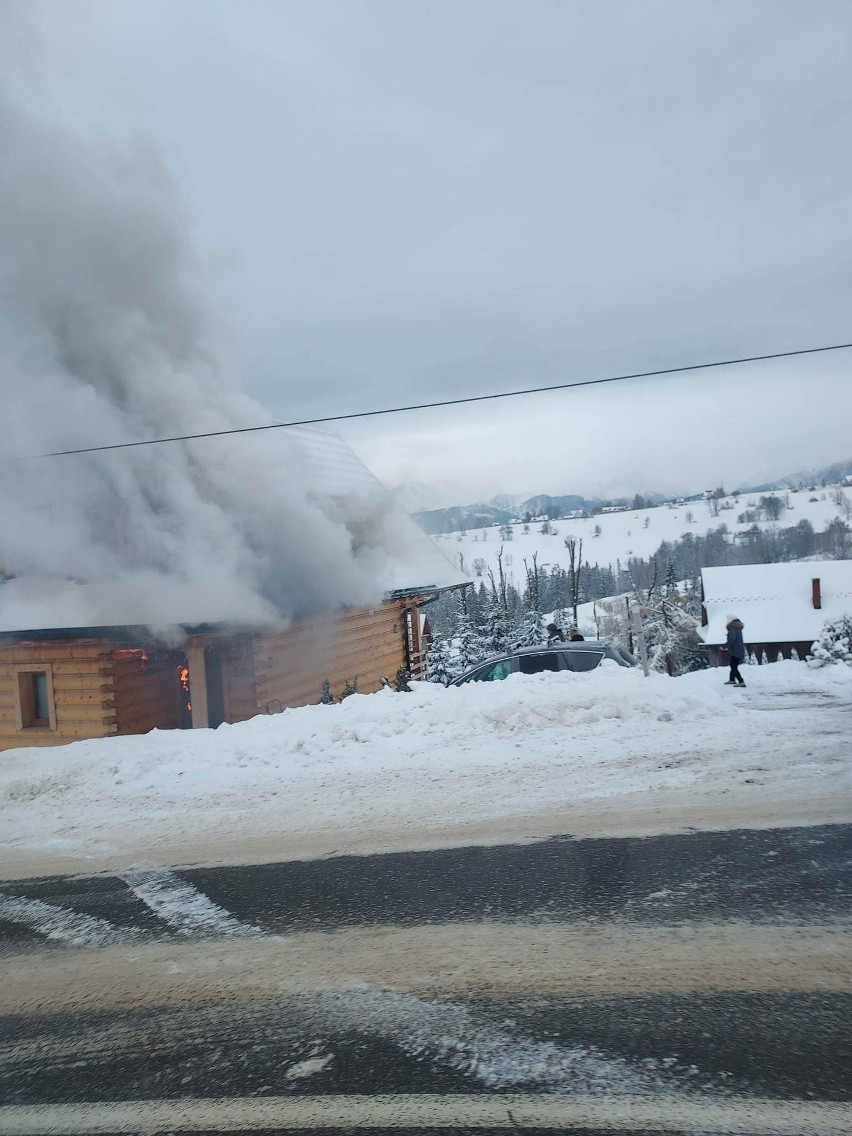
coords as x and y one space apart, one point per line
137 654
184 682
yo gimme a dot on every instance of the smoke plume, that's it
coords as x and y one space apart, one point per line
106 336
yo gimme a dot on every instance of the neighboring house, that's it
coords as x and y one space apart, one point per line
62 680
783 606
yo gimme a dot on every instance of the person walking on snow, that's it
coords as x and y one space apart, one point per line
736 650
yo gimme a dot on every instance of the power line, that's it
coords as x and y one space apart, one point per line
449 401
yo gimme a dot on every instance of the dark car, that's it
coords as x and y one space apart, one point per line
583 656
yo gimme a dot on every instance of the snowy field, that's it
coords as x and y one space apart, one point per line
609 751
625 534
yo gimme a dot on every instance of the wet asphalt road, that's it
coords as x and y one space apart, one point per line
799 874
738 1047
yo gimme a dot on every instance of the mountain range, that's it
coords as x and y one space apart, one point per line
504 507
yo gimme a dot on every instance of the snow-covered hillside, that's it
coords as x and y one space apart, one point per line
630 533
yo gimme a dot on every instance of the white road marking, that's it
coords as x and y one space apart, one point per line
63 924
743 1117
450 1035
187 910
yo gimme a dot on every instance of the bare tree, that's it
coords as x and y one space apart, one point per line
498 585
844 505
575 560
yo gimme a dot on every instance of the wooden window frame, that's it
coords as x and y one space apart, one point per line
23 697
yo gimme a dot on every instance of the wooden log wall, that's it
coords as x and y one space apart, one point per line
356 646
83 694
239 680
146 690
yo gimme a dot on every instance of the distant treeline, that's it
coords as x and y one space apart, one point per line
678 560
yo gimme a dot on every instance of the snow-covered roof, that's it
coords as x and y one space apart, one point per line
406 560
414 562
775 601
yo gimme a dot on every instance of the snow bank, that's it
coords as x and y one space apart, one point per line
489 750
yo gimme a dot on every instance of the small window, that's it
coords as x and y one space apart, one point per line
536 664
41 706
36 710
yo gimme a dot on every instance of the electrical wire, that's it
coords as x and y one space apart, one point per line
447 402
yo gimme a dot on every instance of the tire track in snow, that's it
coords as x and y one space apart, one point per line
183 907
450 1035
63 924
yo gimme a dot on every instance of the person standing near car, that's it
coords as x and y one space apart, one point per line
736 650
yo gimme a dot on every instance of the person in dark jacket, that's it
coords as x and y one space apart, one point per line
736 650
576 637
554 633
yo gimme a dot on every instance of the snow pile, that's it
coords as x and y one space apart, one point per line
396 762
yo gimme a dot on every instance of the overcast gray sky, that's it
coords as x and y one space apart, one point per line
402 201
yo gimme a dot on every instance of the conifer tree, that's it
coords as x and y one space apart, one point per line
671 633
497 630
439 665
531 632
835 643
467 636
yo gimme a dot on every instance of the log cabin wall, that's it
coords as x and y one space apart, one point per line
96 689
239 680
146 689
358 647
77 687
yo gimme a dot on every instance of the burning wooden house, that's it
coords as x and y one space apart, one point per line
60 681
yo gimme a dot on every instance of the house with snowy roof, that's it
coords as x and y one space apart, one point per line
83 660
783 606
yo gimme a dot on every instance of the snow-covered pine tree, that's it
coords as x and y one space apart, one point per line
401 681
562 619
467 636
531 632
834 644
672 637
439 664
670 581
496 631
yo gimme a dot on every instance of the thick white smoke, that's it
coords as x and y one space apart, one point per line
106 336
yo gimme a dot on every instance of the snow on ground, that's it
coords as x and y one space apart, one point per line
624 534
473 762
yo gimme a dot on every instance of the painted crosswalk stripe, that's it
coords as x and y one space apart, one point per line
62 924
184 908
746 1117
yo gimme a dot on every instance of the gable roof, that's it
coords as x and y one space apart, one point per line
407 561
414 562
774 601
